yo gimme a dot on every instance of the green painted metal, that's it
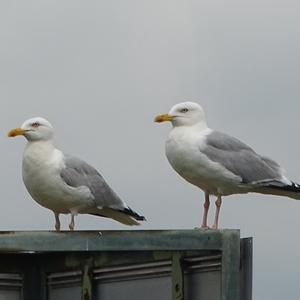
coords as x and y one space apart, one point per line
85 250
230 266
44 241
177 276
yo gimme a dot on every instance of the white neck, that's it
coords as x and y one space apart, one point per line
41 153
39 150
200 126
42 144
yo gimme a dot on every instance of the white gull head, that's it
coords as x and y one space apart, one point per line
34 129
184 114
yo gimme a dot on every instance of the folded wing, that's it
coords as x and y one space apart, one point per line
107 203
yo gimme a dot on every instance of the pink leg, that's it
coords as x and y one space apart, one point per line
57 222
206 208
218 206
72 223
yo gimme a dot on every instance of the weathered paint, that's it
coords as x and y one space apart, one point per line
45 241
230 266
83 250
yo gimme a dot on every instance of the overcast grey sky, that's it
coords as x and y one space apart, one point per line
101 70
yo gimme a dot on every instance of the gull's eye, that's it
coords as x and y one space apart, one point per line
35 124
184 110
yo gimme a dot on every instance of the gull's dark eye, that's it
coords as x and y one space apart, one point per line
35 124
184 110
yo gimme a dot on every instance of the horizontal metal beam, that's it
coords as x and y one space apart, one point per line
134 240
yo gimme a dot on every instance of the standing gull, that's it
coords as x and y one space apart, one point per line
217 163
66 184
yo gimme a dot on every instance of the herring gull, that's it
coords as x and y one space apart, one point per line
217 163
66 184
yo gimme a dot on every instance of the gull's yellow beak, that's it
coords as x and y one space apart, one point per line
16 131
163 118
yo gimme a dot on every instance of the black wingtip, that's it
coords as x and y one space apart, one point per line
293 187
133 214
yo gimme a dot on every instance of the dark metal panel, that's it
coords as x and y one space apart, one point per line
133 270
11 286
203 277
65 293
177 277
64 285
6 294
203 285
134 277
158 288
11 280
33 280
246 269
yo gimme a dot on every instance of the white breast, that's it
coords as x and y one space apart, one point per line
41 175
183 152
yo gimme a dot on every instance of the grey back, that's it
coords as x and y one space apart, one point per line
240 159
79 173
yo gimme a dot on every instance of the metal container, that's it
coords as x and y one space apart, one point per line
121 265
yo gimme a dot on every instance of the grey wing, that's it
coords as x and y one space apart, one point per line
78 173
240 159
